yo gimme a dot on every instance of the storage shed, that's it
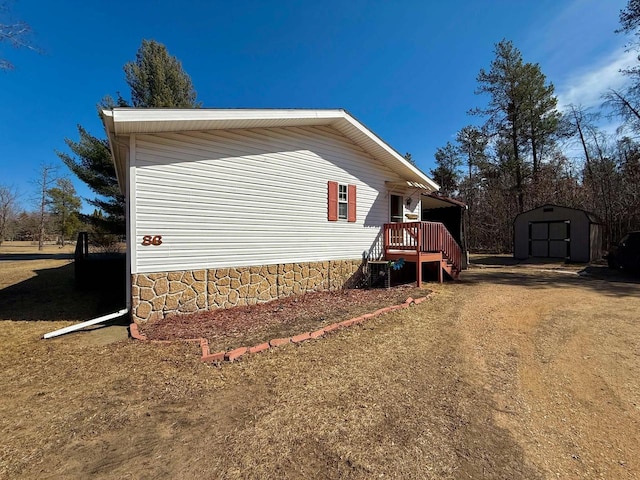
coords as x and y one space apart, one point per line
552 231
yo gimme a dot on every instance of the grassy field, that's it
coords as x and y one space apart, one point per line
510 373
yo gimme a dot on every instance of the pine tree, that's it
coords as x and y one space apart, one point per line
409 158
91 162
64 206
156 80
446 172
521 114
472 143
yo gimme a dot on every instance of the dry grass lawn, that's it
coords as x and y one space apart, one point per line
510 373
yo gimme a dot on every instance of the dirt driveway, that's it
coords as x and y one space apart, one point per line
513 372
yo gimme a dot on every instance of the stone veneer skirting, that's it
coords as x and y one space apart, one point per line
156 294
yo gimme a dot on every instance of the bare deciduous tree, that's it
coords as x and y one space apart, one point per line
15 33
46 179
8 204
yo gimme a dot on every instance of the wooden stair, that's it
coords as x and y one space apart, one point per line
423 242
447 266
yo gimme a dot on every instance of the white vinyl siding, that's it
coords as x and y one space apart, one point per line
252 197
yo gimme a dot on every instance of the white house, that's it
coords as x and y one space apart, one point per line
234 207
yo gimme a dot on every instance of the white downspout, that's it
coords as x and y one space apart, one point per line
88 323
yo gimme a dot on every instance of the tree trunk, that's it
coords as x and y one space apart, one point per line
625 103
516 157
43 200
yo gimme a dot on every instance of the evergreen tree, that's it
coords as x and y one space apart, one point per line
541 118
630 16
27 226
156 80
409 158
521 114
472 143
91 162
64 206
446 172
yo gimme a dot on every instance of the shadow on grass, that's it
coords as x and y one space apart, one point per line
493 260
53 295
15 257
509 261
600 278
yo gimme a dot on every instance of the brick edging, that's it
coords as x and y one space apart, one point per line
237 353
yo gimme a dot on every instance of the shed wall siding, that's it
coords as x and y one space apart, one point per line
580 232
596 242
251 197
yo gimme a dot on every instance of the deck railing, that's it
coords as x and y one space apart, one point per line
422 237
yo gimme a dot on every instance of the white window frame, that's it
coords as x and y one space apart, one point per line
344 201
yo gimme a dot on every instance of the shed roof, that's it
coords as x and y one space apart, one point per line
122 122
592 217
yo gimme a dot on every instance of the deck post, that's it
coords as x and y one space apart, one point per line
387 238
419 271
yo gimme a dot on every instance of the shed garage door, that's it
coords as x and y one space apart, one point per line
549 239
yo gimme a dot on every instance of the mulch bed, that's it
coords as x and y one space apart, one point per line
226 329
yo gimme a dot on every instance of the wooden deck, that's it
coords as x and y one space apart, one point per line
423 242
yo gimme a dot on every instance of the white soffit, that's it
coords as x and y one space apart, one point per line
158 120
404 185
122 122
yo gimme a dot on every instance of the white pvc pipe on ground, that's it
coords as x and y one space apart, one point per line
88 323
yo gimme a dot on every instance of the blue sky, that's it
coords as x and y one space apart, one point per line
406 69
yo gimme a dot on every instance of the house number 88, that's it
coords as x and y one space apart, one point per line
152 240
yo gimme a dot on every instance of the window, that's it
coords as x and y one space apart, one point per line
343 205
341 202
396 208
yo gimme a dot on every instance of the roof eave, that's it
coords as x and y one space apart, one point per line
126 121
115 147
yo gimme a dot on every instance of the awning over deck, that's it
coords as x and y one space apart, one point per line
430 201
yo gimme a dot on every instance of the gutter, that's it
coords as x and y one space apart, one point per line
88 323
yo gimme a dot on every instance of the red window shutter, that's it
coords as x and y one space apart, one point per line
332 203
351 196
